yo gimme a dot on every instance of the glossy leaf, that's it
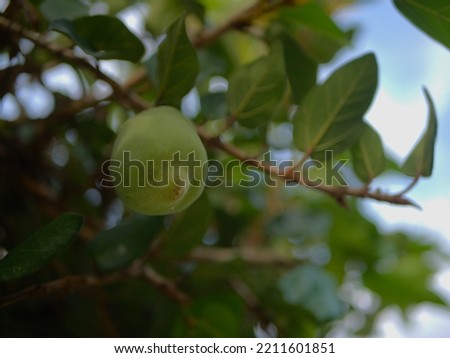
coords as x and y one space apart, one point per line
40 247
118 247
330 116
300 69
256 89
63 9
104 37
431 16
368 155
177 65
314 289
420 161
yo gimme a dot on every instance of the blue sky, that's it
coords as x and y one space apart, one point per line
408 60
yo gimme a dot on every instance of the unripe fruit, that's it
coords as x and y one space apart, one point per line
162 162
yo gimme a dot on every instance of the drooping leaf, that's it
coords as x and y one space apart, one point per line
314 289
420 160
317 33
330 116
104 37
300 69
188 228
319 47
118 247
177 65
431 16
314 17
256 89
40 247
63 9
368 155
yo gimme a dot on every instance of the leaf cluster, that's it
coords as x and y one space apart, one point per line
278 258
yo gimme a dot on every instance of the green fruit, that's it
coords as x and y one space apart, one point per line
162 162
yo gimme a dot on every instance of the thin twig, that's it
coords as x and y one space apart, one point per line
130 98
251 301
74 283
249 255
409 187
339 193
63 285
165 285
240 20
289 171
67 54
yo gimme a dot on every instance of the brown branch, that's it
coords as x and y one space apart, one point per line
249 255
339 193
251 300
410 186
240 20
67 54
300 163
75 283
164 285
130 98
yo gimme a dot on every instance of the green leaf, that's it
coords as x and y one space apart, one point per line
63 9
420 160
256 89
330 116
213 306
177 65
164 13
40 247
368 155
188 228
404 284
214 105
312 16
103 37
313 288
301 70
431 16
351 238
317 33
118 247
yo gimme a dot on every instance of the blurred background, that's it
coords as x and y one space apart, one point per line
408 60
